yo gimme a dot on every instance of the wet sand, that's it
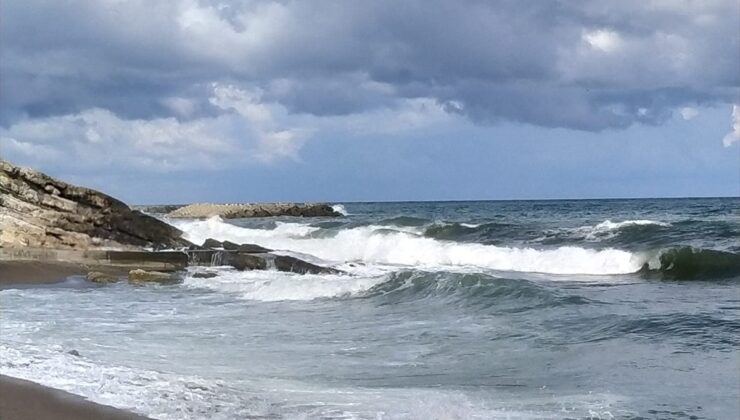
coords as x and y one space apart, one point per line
37 272
24 400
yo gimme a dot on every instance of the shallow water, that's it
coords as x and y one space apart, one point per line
560 309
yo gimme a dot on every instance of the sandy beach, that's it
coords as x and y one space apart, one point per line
23 400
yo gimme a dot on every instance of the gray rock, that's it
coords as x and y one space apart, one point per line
252 249
42 212
98 277
212 243
295 265
141 276
204 275
244 262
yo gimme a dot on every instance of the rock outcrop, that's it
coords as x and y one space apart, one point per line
295 265
44 220
211 243
39 211
237 211
245 261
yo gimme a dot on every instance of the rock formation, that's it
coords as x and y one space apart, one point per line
42 212
236 211
45 220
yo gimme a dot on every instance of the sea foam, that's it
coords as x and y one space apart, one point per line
340 209
380 245
268 286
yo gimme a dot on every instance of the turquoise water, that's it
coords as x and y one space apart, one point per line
551 309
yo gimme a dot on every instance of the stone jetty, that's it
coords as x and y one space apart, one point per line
236 211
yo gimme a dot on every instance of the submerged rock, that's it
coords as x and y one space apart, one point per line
211 243
236 211
295 265
39 211
141 276
203 275
98 277
244 261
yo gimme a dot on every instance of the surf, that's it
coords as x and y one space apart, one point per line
380 245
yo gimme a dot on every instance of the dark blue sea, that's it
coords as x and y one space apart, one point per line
599 309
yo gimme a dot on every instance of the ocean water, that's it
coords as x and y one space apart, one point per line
625 309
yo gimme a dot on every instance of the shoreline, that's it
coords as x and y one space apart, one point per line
21 399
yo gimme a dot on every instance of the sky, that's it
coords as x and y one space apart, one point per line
228 101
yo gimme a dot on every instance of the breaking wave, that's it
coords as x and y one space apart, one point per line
375 245
687 263
380 245
269 286
340 209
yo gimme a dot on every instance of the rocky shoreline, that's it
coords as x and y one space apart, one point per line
47 221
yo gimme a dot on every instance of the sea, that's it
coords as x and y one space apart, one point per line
578 309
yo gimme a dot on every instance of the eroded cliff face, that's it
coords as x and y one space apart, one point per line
39 211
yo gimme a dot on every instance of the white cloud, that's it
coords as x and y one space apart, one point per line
274 142
183 107
688 113
97 137
734 135
246 130
40 151
602 39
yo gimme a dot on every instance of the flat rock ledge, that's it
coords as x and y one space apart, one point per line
238 211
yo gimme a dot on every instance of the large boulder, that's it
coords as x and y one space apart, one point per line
244 262
39 211
295 265
104 278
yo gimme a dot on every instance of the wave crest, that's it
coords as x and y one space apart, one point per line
384 246
687 263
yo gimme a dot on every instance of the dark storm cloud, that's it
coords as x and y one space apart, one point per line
584 65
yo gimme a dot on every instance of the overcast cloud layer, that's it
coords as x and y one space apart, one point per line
165 85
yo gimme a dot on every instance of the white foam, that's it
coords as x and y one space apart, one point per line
340 209
152 393
275 286
608 228
166 395
378 245
214 227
